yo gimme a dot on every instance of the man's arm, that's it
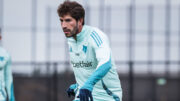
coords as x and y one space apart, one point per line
103 56
9 80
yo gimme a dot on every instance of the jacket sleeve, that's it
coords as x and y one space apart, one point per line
9 80
103 55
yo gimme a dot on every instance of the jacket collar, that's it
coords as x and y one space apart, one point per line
80 36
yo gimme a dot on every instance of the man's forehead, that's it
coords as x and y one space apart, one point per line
66 17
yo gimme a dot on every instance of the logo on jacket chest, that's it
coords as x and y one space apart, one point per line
84 49
81 64
1 58
78 51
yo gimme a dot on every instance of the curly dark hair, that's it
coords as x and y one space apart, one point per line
72 8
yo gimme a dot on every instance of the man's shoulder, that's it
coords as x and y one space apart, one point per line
4 52
95 30
96 33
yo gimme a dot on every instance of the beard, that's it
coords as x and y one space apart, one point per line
72 33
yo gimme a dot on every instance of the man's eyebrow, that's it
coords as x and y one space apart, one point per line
68 19
61 19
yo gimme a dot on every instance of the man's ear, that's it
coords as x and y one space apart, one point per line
80 21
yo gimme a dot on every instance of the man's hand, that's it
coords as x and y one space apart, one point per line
85 95
71 90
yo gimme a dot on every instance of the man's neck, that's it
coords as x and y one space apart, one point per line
79 30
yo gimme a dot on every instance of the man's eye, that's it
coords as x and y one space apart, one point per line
68 20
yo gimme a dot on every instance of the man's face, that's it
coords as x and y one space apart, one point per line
69 25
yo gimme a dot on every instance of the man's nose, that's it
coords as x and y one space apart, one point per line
64 25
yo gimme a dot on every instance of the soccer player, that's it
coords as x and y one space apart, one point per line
90 56
6 80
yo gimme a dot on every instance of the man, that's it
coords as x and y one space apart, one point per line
91 58
6 80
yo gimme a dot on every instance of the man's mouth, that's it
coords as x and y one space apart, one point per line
66 31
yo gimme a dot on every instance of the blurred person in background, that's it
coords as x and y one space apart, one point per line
90 56
6 79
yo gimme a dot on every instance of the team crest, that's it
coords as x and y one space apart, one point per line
70 49
84 48
1 58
